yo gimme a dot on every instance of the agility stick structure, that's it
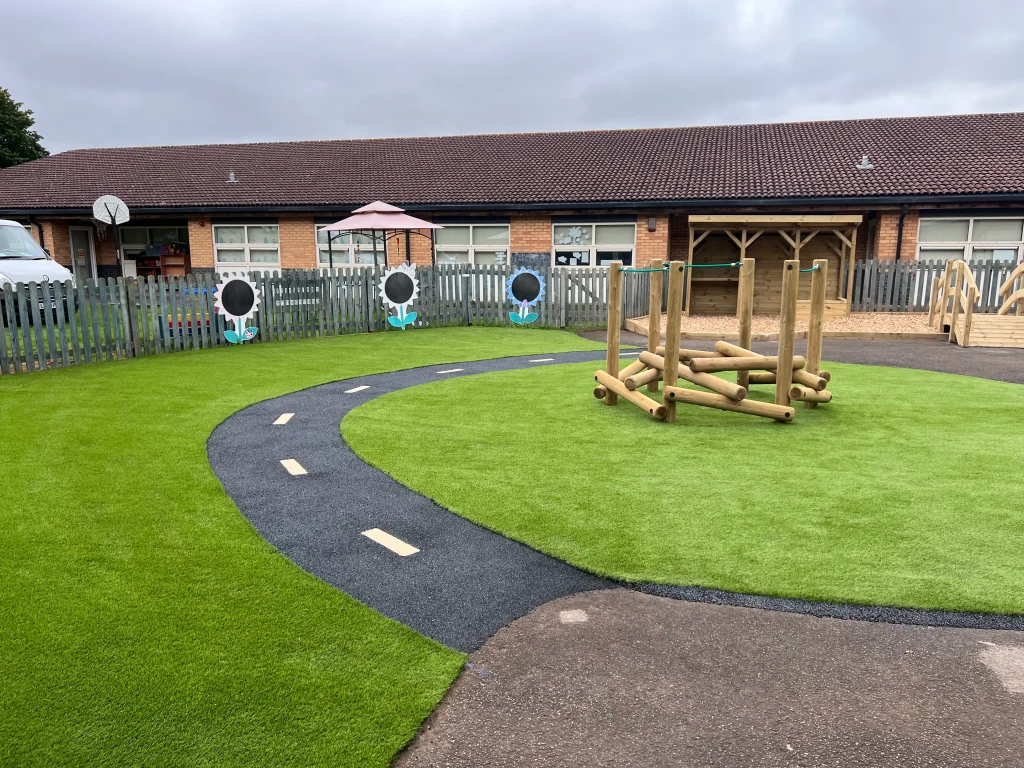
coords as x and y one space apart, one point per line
795 377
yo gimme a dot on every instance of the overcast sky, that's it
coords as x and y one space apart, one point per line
131 72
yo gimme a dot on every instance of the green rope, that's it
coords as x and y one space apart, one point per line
730 264
812 269
631 269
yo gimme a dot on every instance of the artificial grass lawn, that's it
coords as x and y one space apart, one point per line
144 621
906 490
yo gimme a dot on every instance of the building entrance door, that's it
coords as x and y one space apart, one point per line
83 257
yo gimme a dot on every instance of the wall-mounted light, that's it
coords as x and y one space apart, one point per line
652 224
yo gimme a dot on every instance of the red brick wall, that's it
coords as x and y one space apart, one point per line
297 239
651 245
886 234
200 243
530 233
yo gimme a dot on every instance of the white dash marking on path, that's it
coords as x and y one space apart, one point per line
293 467
357 389
385 539
574 616
284 418
628 354
542 360
452 370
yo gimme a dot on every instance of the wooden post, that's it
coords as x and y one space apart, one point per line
745 305
817 321
944 290
614 326
853 263
954 310
654 314
787 330
673 323
972 299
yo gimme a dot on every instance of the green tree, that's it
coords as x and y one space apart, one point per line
18 142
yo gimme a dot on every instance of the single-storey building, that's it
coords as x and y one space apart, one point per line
922 187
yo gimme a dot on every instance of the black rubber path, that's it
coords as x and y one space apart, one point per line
466 582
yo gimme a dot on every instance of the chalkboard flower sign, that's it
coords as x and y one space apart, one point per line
525 287
399 289
237 299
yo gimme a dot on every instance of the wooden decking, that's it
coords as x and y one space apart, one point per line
991 331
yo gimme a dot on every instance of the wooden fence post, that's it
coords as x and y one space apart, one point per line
817 320
673 326
787 330
654 313
614 326
745 310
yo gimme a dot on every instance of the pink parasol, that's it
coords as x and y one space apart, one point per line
379 216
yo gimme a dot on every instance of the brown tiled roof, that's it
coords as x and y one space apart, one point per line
913 156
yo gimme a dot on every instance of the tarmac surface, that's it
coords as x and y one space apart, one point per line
619 678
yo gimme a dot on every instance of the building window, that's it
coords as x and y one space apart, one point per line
971 239
246 246
472 244
592 245
346 249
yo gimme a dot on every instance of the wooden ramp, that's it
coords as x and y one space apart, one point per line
953 299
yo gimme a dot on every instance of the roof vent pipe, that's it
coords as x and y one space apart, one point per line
231 178
865 164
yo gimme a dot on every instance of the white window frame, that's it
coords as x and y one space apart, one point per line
593 248
346 250
471 249
970 244
246 247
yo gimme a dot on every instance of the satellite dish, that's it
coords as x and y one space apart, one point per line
110 210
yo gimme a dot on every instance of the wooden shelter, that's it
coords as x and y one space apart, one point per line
770 240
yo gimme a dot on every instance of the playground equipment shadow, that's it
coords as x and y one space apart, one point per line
465 582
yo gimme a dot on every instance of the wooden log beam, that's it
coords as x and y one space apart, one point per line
808 380
726 349
638 380
755 363
600 392
612 384
706 380
612 360
762 378
635 367
685 355
710 400
807 395
825 375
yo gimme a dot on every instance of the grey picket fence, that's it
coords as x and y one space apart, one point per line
905 286
57 324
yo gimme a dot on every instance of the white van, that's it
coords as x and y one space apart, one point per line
23 261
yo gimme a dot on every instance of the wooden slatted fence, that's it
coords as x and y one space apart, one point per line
59 324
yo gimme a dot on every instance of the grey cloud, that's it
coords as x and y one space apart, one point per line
124 73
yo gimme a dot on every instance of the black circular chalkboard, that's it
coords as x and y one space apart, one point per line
237 298
525 287
399 288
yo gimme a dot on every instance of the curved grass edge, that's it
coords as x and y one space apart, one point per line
836 605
